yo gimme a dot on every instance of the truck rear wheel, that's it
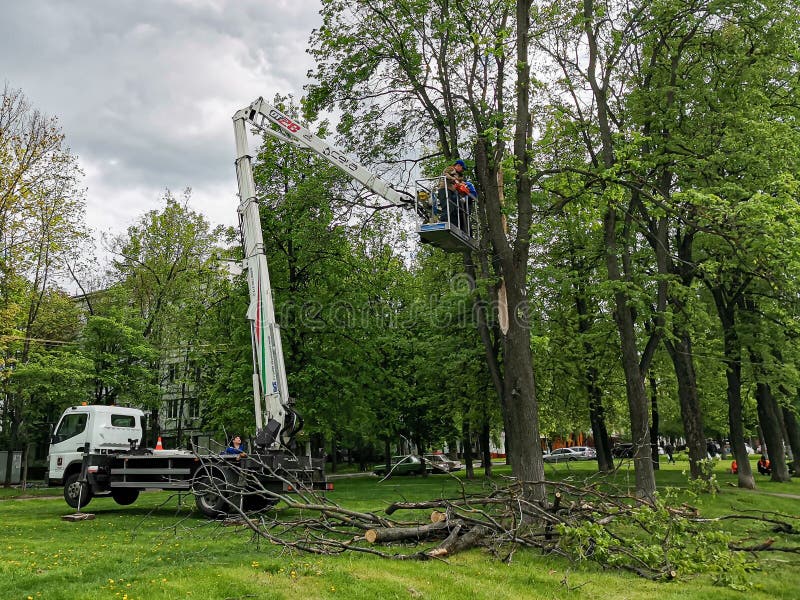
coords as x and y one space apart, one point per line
77 493
209 496
257 502
124 496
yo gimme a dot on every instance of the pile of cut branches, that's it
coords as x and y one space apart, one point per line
662 539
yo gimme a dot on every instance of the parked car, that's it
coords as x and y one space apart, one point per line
623 450
402 465
587 452
439 463
570 454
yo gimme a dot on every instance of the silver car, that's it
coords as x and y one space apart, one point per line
571 454
439 463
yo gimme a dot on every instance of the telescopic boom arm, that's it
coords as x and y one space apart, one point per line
276 422
261 114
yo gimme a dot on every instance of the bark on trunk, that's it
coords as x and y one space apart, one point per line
655 422
793 436
520 410
13 444
770 422
602 443
457 543
680 351
397 534
726 310
486 447
466 442
520 391
634 382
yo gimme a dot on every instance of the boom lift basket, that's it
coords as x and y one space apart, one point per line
450 225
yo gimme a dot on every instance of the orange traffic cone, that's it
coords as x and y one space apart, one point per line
159 445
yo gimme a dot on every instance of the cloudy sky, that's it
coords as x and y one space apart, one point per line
145 89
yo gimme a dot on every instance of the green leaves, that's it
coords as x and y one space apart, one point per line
121 361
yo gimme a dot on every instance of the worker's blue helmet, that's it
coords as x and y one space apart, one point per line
462 163
472 189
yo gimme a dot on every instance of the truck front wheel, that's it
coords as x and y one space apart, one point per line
209 495
77 493
124 496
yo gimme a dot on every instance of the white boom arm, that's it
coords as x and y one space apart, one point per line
261 114
270 392
275 420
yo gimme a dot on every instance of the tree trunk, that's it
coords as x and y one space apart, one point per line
13 442
733 374
519 406
490 354
466 442
769 418
25 454
486 447
680 351
520 391
793 436
655 422
155 427
634 382
602 443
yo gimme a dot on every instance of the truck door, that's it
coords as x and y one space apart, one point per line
68 443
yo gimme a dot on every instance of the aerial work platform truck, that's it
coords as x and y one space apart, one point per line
100 450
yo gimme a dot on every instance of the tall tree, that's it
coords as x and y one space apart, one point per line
167 264
434 76
41 218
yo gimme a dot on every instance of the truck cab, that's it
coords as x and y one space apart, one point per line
104 429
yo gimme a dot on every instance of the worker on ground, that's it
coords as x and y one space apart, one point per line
235 447
452 176
763 465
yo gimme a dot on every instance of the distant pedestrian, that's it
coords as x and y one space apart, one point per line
669 450
711 448
763 465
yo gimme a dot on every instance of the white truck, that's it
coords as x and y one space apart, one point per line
99 450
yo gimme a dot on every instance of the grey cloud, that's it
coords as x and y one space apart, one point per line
145 90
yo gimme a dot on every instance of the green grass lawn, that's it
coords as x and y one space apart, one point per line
159 548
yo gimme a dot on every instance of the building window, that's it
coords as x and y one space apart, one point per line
171 373
173 407
194 407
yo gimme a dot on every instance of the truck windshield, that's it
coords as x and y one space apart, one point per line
71 425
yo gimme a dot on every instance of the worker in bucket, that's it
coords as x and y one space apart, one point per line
452 177
467 195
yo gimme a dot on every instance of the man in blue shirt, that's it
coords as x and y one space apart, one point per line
235 447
